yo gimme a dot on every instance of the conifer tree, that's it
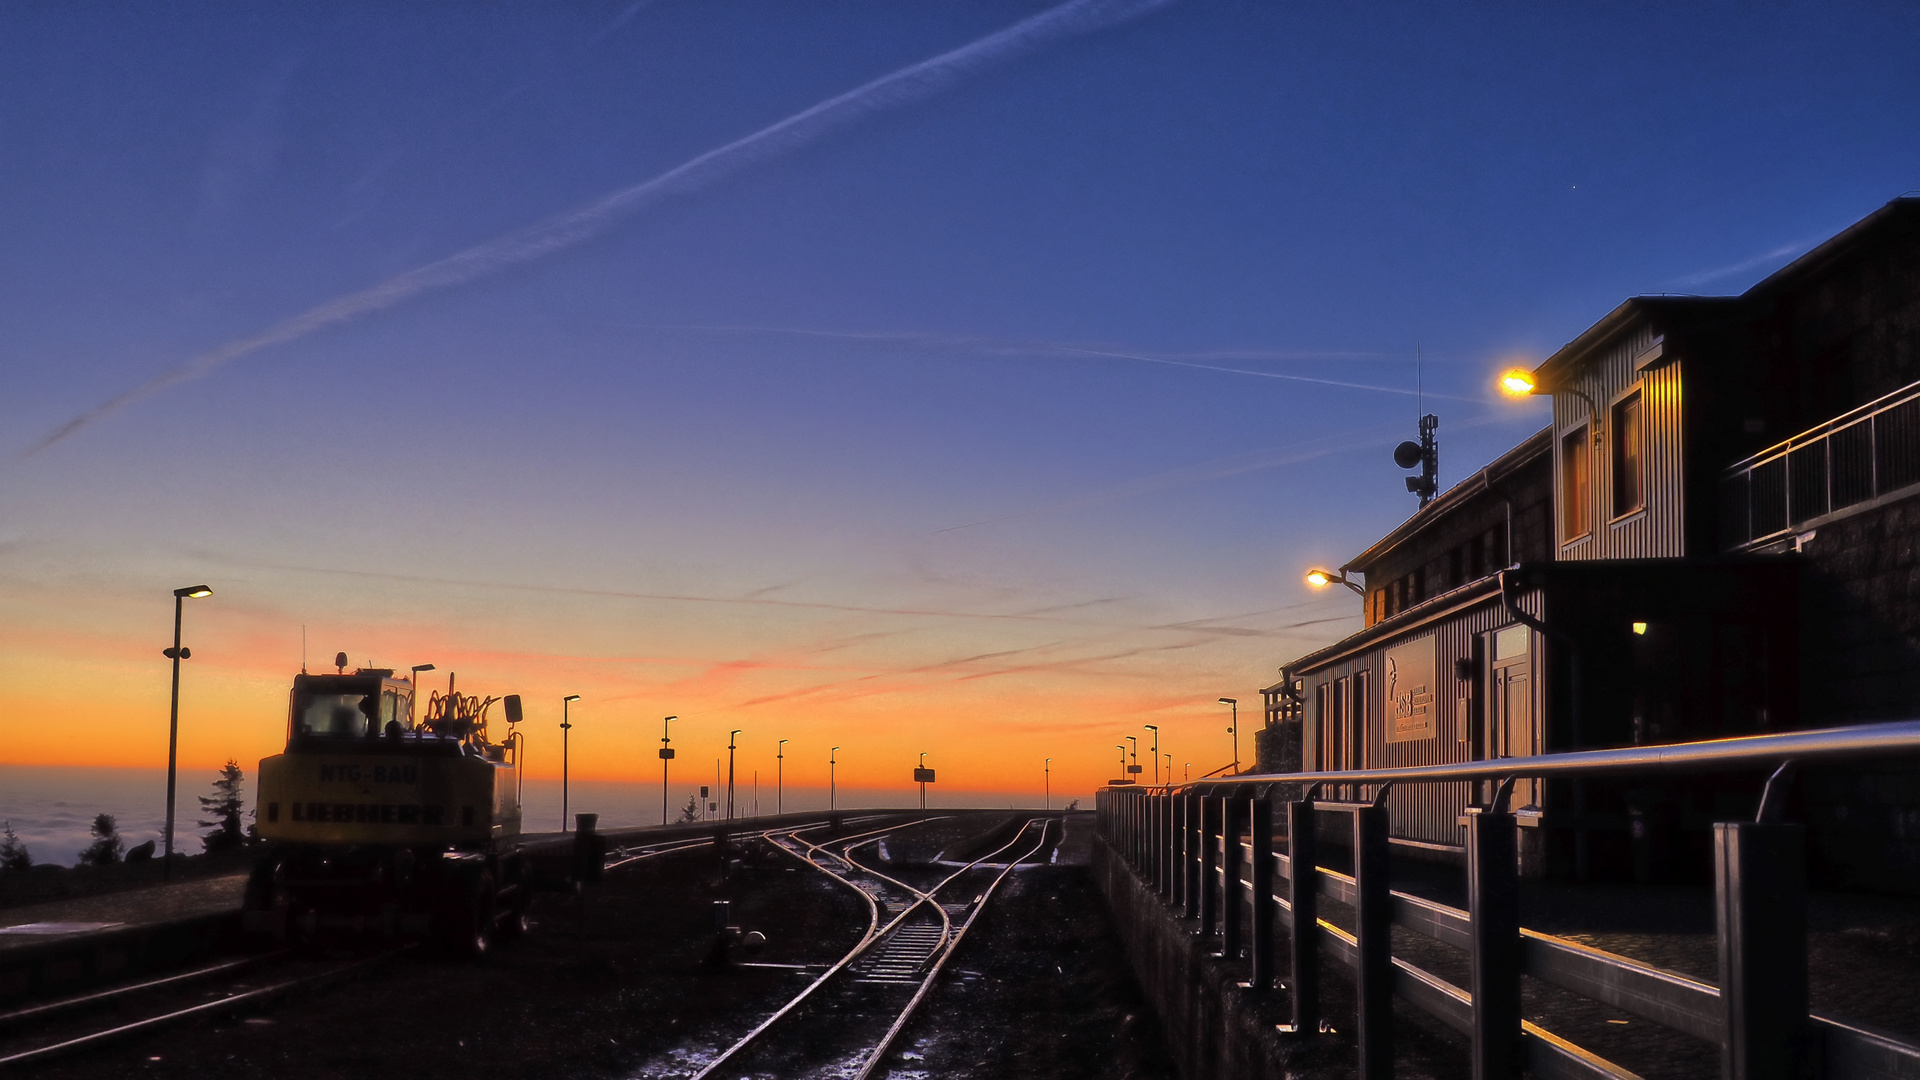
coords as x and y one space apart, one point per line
223 809
107 845
13 853
691 811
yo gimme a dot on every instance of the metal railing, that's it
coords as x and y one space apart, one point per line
1208 850
1854 458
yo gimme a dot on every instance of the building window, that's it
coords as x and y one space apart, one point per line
1574 495
1629 485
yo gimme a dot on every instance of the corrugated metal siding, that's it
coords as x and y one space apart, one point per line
1657 531
1425 812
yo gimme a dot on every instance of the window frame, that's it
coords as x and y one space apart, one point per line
1618 449
1579 437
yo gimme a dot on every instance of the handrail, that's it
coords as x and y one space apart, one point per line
1743 751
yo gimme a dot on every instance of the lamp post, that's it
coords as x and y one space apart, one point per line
176 654
730 741
414 696
1046 778
565 728
1133 773
1234 731
1155 728
921 772
780 777
832 790
666 755
1187 773
1124 778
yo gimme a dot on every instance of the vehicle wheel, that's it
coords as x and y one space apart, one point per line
470 918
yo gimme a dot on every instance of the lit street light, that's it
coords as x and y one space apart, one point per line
176 654
1133 772
666 755
832 790
1320 579
1155 728
566 728
780 777
1234 731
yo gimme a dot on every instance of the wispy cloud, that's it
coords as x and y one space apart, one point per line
896 90
1768 258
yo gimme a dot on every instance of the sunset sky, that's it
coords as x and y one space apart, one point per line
970 378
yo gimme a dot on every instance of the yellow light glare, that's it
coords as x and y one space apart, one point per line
1640 628
1517 382
1319 579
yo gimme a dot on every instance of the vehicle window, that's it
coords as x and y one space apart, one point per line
335 715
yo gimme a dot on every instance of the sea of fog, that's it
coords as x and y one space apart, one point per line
51 808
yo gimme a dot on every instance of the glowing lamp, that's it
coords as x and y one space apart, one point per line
1319 579
1517 382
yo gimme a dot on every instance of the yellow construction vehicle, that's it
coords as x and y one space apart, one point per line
382 825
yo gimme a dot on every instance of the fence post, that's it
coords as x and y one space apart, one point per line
1303 939
1760 900
1493 901
1233 821
1374 918
1163 839
1190 869
1261 976
1209 864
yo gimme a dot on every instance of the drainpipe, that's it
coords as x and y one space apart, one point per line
1510 599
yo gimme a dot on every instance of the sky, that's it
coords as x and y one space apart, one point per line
976 379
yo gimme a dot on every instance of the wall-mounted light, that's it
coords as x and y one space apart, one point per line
1519 383
1320 579
1640 628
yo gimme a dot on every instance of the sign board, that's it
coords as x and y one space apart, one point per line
703 791
1409 687
923 776
666 751
1133 768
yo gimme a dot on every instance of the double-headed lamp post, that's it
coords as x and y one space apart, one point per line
1234 730
833 791
666 755
176 654
780 777
1155 728
565 728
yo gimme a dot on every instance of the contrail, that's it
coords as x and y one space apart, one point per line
892 91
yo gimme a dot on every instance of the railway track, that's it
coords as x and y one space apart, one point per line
45 1031
845 1022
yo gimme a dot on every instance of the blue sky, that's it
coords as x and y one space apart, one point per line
916 430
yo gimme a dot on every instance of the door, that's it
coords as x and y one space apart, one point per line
1510 729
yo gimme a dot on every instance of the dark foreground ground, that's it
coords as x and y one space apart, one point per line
620 986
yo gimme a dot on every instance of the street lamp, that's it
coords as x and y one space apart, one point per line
1187 773
565 728
666 755
832 790
1519 383
1234 731
1046 778
1134 772
1155 728
176 654
730 742
1124 778
412 700
780 777
1320 579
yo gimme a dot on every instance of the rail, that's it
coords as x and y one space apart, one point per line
1208 849
1860 456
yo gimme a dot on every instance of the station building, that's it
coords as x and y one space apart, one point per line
1718 534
